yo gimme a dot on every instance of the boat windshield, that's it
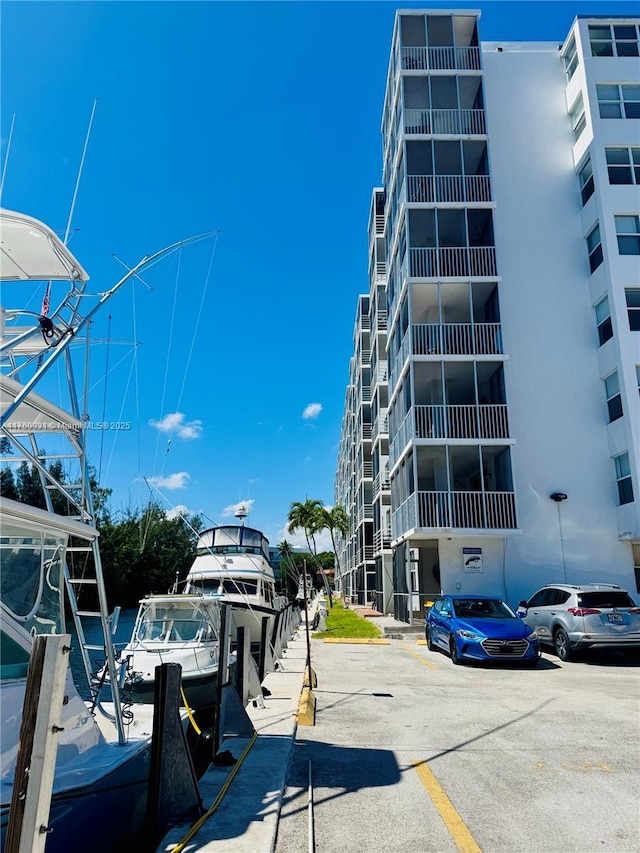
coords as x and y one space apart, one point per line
233 586
31 589
173 623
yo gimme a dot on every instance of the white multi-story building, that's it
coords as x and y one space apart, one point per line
512 264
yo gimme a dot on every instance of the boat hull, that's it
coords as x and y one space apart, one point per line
77 817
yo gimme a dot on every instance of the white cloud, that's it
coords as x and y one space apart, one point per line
178 511
175 423
312 411
233 508
173 481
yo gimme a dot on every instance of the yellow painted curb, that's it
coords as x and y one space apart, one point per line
377 641
310 677
307 708
421 642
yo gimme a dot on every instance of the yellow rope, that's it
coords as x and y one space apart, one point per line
188 710
201 821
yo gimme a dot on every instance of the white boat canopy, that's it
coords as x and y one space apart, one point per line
31 251
35 413
24 516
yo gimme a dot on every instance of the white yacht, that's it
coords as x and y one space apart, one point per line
232 565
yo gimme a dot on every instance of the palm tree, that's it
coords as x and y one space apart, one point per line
335 520
307 517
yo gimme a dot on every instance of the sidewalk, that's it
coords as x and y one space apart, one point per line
250 793
246 818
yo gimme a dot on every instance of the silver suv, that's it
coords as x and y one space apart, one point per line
571 618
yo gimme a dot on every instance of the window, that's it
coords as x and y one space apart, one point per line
607 40
614 400
638 376
628 233
585 175
623 165
636 564
632 295
594 247
571 59
618 100
603 319
623 476
578 121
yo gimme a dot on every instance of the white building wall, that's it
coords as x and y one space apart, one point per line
555 395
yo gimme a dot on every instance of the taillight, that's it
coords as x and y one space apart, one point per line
634 610
583 611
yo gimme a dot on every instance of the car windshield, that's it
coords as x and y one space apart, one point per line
605 598
482 608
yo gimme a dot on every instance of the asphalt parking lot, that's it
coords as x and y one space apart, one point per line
411 753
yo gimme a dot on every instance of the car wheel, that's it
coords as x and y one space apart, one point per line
453 651
561 644
429 639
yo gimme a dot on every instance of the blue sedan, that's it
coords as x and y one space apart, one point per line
482 628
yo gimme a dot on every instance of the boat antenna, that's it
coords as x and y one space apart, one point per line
75 191
6 156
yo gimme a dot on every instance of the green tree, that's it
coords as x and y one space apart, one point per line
307 517
336 521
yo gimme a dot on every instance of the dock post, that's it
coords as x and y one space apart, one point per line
28 828
173 788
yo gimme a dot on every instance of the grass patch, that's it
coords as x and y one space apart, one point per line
347 624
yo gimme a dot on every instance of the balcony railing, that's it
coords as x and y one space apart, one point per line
492 510
439 58
455 262
445 122
381 270
381 539
365 513
381 483
456 339
381 319
483 421
364 555
380 426
433 189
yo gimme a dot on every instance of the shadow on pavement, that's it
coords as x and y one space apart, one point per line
345 768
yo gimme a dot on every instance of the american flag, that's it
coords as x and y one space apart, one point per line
45 301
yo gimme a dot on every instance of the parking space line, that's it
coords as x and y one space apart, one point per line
419 657
457 828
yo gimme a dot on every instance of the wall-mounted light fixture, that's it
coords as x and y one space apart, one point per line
558 497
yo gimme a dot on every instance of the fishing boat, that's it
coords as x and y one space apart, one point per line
232 565
104 744
175 628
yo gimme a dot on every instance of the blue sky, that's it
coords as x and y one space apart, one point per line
262 121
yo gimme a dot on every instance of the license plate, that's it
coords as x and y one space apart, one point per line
507 650
615 617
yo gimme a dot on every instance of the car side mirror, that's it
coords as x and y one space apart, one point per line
523 604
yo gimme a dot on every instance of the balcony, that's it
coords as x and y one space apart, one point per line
440 58
476 510
456 510
380 425
462 262
481 422
381 483
381 539
456 339
365 513
441 189
381 320
444 122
